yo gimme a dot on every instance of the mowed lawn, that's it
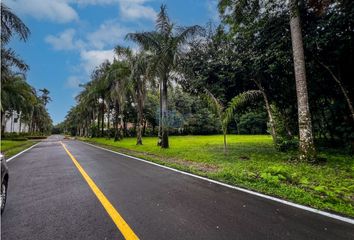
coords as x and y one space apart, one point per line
10 148
252 162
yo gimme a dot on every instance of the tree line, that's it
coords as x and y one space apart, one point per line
17 96
292 60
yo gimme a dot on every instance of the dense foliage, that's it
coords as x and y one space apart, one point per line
251 50
17 96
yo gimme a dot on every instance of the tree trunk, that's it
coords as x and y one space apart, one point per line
116 118
224 130
121 129
164 128
269 110
20 123
159 134
140 122
306 146
98 121
2 121
102 127
144 128
139 140
342 88
108 116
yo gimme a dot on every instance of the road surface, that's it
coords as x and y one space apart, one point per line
50 198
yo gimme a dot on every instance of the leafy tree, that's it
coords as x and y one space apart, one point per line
252 122
166 44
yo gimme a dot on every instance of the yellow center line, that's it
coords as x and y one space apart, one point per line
112 212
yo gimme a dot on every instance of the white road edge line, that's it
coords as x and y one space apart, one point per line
18 154
327 214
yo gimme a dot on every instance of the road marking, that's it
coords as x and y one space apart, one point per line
310 209
18 154
112 212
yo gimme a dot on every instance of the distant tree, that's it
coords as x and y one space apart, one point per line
45 96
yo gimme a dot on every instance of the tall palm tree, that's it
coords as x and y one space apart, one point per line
166 44
11 25
137 85
118 78
306 142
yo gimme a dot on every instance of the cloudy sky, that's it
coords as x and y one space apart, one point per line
70 37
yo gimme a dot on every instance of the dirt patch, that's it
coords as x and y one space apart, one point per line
244 158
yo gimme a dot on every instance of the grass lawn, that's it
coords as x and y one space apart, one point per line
253 163
10 148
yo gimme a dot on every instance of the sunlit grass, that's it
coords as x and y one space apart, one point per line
252 162
10 148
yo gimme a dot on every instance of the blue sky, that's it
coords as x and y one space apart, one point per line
70 37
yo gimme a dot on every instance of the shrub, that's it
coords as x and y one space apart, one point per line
286 144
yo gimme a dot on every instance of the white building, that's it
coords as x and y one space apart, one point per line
13 123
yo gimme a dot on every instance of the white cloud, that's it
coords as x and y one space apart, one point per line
93 58
109 33
61 11
95 2
129 9
73 82
56 11
63 41
135 9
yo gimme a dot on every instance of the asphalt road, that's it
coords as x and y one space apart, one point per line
49 199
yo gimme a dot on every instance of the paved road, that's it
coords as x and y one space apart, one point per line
49 199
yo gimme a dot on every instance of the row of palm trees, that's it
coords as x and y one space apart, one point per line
130 76
114 86
17 96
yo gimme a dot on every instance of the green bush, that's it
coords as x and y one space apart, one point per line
286 144
253 123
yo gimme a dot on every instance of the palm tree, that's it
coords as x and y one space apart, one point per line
11 25
226 114
16 95
306 144
118 78
166 45
137 84
88 101
45 96
139 80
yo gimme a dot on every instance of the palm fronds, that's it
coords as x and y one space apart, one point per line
11 24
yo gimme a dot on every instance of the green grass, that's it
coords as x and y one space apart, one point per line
10 148
253 163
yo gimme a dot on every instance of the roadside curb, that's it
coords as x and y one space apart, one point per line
18 154
306 208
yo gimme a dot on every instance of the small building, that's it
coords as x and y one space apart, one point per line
12 123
